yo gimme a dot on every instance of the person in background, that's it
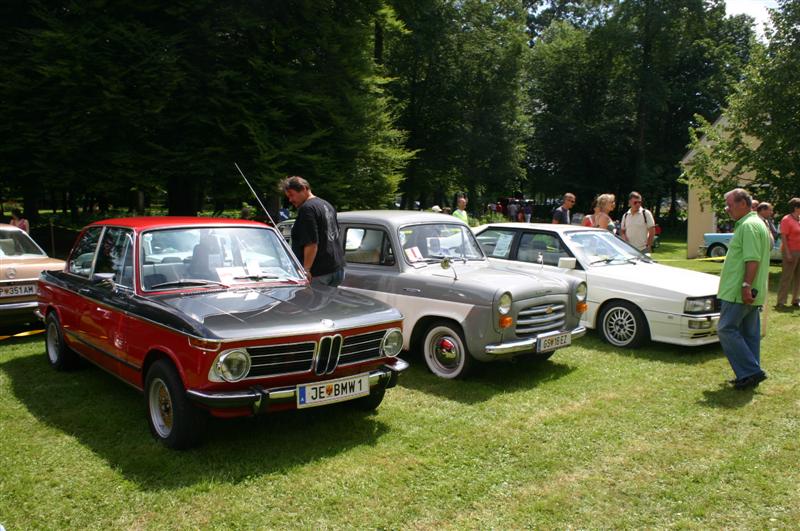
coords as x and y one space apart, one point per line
18 221
461 209
527 210
588 219
638 226
605 205
512 209
316 238
754 205
790 249
742 290
437 209
766 213
561 214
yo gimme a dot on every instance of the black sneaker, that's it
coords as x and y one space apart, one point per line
750 382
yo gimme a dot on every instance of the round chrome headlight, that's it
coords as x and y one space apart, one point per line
580 292
392 343
234 365
504 304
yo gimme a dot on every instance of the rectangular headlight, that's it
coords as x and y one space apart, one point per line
699 305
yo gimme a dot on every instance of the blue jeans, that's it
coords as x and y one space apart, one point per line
330 279
739 331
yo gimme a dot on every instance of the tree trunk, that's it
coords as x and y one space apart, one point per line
181 196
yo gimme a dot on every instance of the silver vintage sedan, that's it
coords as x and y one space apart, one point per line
457 308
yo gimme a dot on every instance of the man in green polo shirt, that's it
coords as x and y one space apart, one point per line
743 290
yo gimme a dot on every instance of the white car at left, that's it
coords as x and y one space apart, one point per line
631 299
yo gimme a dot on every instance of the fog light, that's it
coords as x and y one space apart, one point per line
506 321
392 343
234 365
696 324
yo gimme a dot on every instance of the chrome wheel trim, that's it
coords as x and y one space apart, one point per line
53 342
620 326
161 408
718 250
444 351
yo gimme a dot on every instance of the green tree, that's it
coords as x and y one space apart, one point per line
759 131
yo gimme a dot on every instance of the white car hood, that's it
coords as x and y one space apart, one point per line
657 276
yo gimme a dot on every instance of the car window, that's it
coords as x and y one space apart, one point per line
18 243
116 255
601 248
230 255
496 243
368 246
541 247
434 241
82 256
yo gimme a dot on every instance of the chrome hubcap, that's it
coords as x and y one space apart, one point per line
52 342
160 407
445 352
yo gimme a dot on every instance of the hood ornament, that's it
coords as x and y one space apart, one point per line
327 323
11 273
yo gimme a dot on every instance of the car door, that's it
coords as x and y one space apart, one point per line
104 320
73 303
371 259
545 248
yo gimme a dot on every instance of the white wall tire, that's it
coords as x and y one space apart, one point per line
445 351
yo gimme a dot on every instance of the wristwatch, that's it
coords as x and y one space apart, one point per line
745 284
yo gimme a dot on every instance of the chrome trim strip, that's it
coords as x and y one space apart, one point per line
102 351
18 306
279 363
355 352
541 309
523 345
544 319
378 339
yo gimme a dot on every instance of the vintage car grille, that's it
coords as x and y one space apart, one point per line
280 359
540 318
332 352
361 347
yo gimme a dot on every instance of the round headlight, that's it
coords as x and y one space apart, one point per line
580 292
392 343
233 366
504 304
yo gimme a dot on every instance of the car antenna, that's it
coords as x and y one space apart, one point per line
255 194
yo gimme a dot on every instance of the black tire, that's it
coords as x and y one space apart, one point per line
445 350
717 250
623 324
369 402
173 419
59 355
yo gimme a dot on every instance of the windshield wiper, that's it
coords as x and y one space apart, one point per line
256 277
606 260
189 282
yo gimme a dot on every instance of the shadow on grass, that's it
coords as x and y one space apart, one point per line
726 397
486 380
660 352
108 417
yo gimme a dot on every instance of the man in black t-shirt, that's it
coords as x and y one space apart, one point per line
561 215
316 239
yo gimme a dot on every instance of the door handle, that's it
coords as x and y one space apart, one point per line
412 290
84 291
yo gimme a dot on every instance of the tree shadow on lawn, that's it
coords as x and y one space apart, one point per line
486 380
108 417
660 352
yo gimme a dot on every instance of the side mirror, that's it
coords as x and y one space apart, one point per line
567 263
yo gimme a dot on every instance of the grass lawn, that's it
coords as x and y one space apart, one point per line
593 438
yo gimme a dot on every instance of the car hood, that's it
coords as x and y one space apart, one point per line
27 268
656 277
277 311
485 279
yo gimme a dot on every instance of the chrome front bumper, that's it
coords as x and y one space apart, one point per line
260 399
528 344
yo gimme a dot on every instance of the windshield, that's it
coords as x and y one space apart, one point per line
18 244
214 256
433 241
601 248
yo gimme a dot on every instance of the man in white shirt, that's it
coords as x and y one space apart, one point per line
638 226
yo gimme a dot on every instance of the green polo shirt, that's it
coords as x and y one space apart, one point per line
750 243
